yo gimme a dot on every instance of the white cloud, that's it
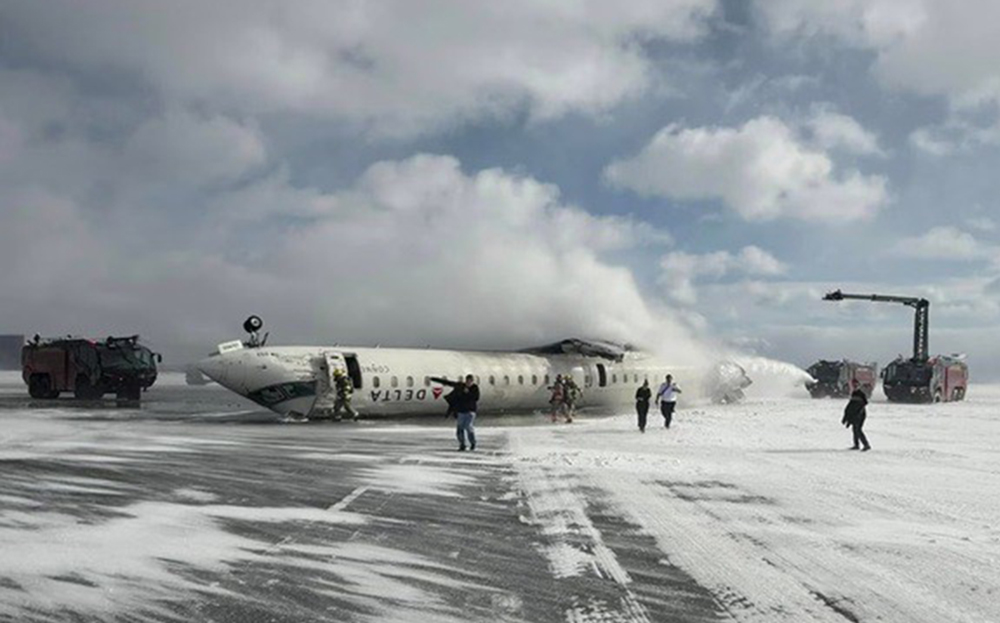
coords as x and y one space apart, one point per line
876 23
48 251
943 243
487 254
415 252
680 270
395 66
762 170
832 130
933 48
753 260
180 147
982 223
933 141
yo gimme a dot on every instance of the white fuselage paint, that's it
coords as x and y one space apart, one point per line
395 381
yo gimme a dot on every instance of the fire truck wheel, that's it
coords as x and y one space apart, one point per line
39 386
937 395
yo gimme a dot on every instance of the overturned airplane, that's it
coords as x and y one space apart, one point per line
297 381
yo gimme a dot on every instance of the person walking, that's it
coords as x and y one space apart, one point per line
667 397
571 395
854 416
345 391
465 404
452 399
642 396
558 397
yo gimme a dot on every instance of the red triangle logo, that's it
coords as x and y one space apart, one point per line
437 392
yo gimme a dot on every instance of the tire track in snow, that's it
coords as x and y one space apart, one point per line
560 512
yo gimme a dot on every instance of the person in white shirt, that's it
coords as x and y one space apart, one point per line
667 397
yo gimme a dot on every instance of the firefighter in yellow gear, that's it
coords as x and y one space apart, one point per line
345 389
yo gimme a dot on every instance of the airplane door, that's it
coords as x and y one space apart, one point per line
353 370
324 378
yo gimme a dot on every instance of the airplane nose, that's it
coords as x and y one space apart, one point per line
226 370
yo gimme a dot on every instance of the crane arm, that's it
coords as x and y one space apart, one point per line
921 320
911 301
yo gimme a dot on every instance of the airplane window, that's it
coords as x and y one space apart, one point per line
614 378
520 379
546 380
409 381
394 382
375 381
534 379
492 380
506 380
588 380
635 378
427 381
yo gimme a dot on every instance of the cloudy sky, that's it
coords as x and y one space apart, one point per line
489 174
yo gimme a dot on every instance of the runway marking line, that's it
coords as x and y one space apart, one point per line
350 497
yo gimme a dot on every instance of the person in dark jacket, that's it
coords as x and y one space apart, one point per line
465 404
642 396
452 399
854 416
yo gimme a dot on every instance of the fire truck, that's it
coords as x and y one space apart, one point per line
837 379
944 378
920 378
88 368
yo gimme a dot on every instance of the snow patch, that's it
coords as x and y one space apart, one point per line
127 561
416 479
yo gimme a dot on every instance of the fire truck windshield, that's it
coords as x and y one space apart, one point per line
124 356
908 374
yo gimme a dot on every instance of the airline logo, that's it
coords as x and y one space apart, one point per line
437 392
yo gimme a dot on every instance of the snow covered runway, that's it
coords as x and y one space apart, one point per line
753 512
765 507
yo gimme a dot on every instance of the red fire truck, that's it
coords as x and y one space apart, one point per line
837 379
88 368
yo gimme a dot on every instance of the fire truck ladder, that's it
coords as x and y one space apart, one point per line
921 320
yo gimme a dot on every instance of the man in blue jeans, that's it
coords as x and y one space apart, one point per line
464 403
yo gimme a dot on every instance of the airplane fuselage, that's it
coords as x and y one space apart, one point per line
295 380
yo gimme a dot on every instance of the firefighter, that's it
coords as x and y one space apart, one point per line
344 389
558 397
571 394
854 416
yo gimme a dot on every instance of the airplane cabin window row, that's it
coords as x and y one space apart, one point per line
588 380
